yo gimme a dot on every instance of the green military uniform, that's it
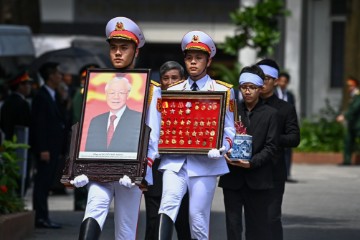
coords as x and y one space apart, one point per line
352 117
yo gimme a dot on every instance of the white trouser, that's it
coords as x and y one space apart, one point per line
201 194
126 207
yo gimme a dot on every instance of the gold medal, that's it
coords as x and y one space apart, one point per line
189 141
173 132
180 132
188 111
213 123
181 112
175 122
201 133
188 122
173 141
197 142
181 142
187 133
168 122
193 133
204 143
167 141
196 123
161 132
182 122
214 106
212 133
160 141
202 123
168 132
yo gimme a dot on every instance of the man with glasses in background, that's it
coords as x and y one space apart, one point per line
248 184
289 136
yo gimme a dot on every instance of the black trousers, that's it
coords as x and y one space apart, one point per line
44 177
182 226
275 210
254 204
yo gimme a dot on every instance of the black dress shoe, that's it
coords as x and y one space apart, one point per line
290 180
41 223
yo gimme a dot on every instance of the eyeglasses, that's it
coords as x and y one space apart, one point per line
251 88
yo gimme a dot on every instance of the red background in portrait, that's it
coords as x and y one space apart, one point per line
96 102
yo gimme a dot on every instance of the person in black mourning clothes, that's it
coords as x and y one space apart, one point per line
46 136
170 73
283 93
16 112
249 182
289 136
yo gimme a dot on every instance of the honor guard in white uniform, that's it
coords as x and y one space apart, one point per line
125 38
197 173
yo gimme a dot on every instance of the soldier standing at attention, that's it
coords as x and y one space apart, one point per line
125 39
195 173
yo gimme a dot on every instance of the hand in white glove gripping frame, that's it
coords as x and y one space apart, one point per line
216 153
80 181
126 182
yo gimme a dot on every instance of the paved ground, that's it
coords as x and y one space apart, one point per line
324 204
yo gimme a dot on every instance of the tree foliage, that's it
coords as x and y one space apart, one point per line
256 27
323 133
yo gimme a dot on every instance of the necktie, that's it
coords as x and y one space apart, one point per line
194 87
111 129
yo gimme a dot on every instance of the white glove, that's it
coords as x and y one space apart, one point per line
216 153
80 181
126 182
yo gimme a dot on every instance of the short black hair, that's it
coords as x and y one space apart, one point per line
286 75
269 62
170 65
254 69
47 69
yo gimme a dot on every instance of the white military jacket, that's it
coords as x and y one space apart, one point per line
153 119
201 165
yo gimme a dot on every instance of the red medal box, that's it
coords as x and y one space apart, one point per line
191 122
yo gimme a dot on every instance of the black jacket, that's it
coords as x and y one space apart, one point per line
289 133
263 129
14 112
47 131
125 138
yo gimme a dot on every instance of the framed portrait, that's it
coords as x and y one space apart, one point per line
111 139
191 122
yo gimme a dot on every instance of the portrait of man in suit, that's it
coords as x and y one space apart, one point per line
117 130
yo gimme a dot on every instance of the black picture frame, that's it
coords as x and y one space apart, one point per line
112 162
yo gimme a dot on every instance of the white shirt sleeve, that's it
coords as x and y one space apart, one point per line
153 120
